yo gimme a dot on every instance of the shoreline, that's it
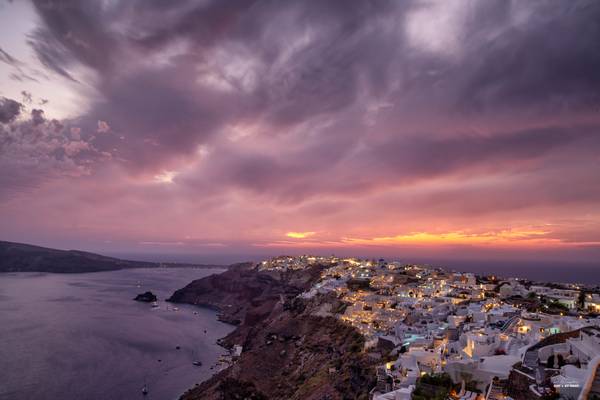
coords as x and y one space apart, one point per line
72 305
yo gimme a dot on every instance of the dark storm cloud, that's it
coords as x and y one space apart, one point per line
158 23
167 106
422 156
9 110
342 95
552 62
407 160
74 30
511 58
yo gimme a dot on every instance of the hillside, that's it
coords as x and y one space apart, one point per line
291 350
19 257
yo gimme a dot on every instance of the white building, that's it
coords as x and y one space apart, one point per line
587 345
592 302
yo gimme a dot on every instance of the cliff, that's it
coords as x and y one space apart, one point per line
291 348
242 289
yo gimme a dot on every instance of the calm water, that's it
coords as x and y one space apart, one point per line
557 272
83 337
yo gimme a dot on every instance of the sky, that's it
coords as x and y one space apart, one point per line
462 129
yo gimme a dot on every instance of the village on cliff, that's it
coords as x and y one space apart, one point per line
451 335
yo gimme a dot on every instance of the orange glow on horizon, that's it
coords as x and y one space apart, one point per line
512 236
516 237
299 235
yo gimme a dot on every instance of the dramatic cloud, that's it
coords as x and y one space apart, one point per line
9 110
8 59
35 150
327 124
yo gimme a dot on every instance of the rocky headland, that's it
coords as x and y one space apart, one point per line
293 348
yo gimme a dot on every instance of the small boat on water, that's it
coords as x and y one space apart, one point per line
154 304
145 390
196 362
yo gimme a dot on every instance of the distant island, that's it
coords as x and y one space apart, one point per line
147 297
20 257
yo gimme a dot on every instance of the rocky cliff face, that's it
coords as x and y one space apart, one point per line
242 293
292 350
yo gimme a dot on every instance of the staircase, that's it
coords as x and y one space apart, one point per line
495 392
530 360
508 324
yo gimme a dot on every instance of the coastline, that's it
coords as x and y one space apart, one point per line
283 344
103 340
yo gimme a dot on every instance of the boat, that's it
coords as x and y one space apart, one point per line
154 304
196 363
145 390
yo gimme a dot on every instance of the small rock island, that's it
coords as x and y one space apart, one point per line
147 297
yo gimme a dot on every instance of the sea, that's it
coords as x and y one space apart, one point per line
82 336
537 271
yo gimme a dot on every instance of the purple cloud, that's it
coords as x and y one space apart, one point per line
323 107
9 110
